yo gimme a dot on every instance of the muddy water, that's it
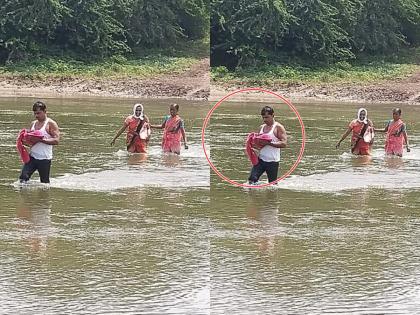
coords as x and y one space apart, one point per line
340 236
119 234
114 233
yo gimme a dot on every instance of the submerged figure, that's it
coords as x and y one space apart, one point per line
362 137
42 136
271 138
138 132
173 131
396 134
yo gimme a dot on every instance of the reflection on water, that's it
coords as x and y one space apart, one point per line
361 161
173 160
394 162
137 158
33 215
263 214
303 253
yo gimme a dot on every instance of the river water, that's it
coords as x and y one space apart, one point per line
116 234
340 236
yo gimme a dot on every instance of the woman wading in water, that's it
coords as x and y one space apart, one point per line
173 131
138 132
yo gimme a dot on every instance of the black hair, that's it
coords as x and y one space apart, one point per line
397 110
176 106
38 105
267 110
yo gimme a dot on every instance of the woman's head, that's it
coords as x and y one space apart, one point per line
362 115
396 113
173 109
138 111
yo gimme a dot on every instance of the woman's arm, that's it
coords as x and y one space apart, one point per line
344 136
184 137
382 130
119 132
158 126
406 139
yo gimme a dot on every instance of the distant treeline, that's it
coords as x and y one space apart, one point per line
96 28
248 32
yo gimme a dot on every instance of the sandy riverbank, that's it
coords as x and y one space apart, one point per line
406 90
192 84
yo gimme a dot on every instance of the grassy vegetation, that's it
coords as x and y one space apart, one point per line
362 70
144 64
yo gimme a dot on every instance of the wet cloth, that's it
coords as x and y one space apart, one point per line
254 142
369 135
172 134
137 142
394 142
26 137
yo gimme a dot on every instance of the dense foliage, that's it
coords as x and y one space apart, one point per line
248 32
96 28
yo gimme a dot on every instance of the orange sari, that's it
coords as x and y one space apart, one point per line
362 147
172 135
137 145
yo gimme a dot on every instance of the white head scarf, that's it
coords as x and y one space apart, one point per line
365 121
142 110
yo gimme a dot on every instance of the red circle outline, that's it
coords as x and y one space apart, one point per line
302 148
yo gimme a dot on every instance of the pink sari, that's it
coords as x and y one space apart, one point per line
394 143
172 136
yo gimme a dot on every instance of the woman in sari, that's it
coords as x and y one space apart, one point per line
173 131
396 134
362 134
138 130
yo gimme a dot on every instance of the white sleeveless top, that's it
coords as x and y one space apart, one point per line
269 153
42 151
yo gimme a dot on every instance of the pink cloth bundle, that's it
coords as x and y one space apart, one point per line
255 141
26 137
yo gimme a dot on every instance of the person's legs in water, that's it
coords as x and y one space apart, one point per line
27 170
271 169
44 167
256 172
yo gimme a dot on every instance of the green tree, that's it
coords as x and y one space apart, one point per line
245 30
316 34
26 26
91 28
